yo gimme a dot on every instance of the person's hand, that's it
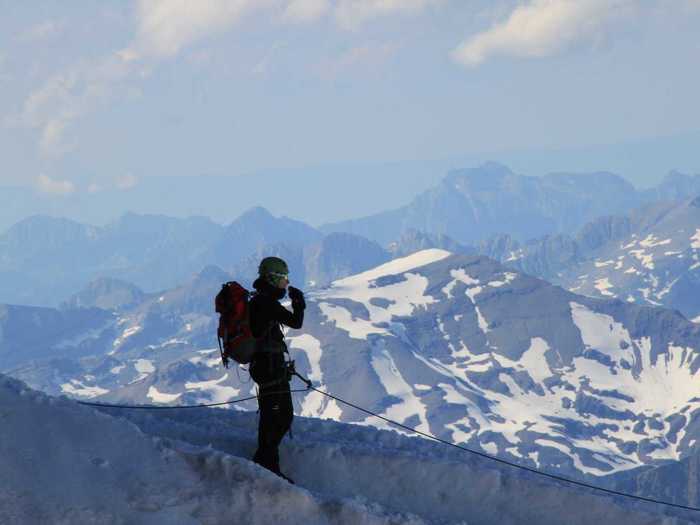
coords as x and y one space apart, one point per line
297 297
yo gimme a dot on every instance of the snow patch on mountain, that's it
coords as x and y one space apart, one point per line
603 286
314 404
396 386
534 360
144 367
473 289
209 358
601 332
161 397
695 240
651 241
77 388
213 391
400 296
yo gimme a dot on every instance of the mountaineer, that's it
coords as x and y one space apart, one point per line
269 368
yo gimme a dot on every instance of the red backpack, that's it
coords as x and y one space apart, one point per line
235 338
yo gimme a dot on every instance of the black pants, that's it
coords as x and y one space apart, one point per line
276 409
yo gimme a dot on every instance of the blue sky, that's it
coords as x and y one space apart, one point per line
101 94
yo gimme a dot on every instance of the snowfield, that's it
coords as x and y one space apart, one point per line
63 463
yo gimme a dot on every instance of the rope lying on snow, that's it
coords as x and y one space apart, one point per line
413 430
177 407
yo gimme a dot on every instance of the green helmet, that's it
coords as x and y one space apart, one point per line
273 269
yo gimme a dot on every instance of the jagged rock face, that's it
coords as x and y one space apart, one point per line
544 257
458 346
603 230
657 263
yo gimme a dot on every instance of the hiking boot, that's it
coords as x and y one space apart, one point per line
288 479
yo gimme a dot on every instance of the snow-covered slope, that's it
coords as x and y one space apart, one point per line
62 463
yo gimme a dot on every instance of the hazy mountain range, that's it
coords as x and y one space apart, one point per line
43 260
472 205
338 192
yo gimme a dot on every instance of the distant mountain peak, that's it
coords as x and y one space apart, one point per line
255 213
212 272
106 293
489 174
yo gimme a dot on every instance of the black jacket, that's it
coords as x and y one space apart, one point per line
267 312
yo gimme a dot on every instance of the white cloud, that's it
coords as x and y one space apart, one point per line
67 96
55 187
350 13
306 10
167 26
164 28
543 28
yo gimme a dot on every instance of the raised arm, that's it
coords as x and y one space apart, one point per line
292 319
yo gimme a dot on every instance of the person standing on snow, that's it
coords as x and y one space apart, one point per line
268 368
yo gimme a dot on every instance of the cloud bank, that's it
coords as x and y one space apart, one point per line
167 26
543 28
163 29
